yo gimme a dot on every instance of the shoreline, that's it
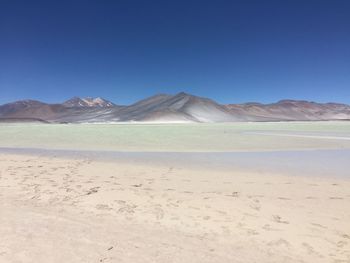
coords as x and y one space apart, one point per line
332 163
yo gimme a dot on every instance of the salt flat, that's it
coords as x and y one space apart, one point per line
245 192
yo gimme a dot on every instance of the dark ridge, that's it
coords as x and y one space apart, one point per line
21 120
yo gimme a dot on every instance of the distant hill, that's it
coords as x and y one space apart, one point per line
292 110
181 107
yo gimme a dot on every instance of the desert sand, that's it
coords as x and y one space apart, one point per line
259 192
55 209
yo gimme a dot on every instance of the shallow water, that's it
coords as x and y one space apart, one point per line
298 148
179 137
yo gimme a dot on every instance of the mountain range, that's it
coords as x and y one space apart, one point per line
181 107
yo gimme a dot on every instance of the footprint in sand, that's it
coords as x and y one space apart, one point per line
345 236
252 232
341 244
158 212
309 248
336 198
310 197
233 194
318 225
284 198
93 190
267 227
120 202
103 207
128 209
255 206
279 242
278 219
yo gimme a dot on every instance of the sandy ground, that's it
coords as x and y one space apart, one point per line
54 209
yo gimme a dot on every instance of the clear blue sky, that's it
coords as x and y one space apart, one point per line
231 51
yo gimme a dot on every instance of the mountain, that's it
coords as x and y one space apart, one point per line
291 110
181 107
30 109
88 102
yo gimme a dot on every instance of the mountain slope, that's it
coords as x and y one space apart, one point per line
88 102
181 107
30 109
